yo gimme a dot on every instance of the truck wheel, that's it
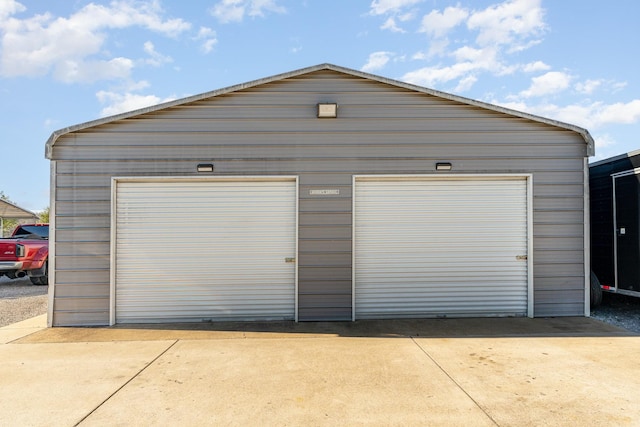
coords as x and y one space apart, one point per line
35 280
596 290
42 280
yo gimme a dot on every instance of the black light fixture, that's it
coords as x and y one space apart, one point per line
205 167
327 111
443 166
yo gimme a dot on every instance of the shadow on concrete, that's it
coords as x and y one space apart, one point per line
398 328
436 328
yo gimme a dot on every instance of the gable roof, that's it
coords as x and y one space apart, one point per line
9 210
583 132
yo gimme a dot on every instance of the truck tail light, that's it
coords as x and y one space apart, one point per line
19 251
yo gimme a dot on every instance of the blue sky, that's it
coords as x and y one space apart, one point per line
68 62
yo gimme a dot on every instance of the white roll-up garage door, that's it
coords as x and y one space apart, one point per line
430 247
194 250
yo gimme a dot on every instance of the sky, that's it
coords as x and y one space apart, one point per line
68 62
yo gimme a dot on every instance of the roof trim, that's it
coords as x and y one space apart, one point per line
10 211
615 158
58 133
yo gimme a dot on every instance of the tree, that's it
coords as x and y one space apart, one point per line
44 215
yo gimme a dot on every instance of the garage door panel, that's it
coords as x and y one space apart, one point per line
200 250
440 247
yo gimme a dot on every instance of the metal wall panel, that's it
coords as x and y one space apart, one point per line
440 247
204 250
247 165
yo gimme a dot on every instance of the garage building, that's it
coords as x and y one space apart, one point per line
319 194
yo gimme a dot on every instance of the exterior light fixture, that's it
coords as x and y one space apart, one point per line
327 111
443 166
205 167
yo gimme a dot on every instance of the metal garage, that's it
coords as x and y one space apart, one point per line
320 194
428 246
204 249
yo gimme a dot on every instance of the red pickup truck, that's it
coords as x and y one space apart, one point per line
26 253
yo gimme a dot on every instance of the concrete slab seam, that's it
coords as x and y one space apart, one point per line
454 381
126 383
24 336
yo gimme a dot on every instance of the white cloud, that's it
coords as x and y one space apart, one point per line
259 7
588 86
604 140
382 7
123 102
132 85
533 67
396 11
605 146
227 11
390 24
484 39
617 86
10 7
592 115
466 83
621 113
419 56
438 47
581 115
407 16
128 13
155 59
509 23
432 76
549 83
89 71
376 61
437 24
467 53
468 63
208 37
40 44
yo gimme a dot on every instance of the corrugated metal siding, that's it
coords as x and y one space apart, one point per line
428 247
283 114
212 250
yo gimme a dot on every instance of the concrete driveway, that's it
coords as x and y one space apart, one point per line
472 372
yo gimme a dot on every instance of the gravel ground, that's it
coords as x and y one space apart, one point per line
20 300
619 310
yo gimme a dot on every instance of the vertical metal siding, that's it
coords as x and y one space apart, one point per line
200 250
440 247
